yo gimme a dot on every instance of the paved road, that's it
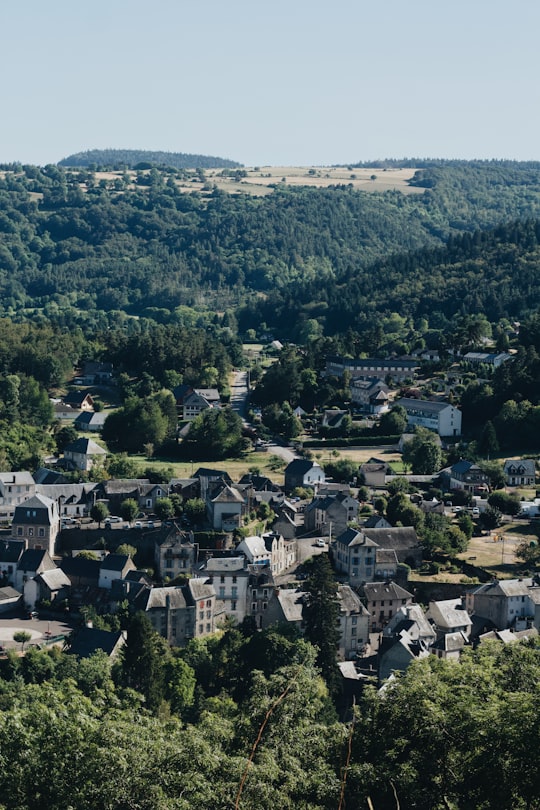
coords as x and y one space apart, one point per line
40 630
239 392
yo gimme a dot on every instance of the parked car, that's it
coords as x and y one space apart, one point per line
138 524
113 519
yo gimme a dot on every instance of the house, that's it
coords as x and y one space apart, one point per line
369 394
376 521
114 566
79 400
82 573
441 417
97 373
401 539
15 487
487 358
31 563
271 549
224 506
181 613
175 554
333 418
261 588
36 521
74 500
90 421
412 619
63 412
230 579
141 490
353 623
449 616
398 652
330 513
302 472
395 368
464 475
374 472
450 645
520 472
507 603
354 555
285 606
206 477
199 400
9 598
49 585
88 640
11 552
383 600
284 524
83 454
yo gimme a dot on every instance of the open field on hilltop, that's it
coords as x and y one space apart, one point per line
319 177
261 180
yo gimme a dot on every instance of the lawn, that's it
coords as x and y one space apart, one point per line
265 463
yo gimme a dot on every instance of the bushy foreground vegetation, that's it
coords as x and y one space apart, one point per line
247 723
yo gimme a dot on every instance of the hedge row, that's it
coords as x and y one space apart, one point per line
362 441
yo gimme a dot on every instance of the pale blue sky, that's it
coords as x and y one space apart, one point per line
286 82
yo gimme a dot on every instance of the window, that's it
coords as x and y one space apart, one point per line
41 532
233 605
264 605
208 614
30 532
234 592
201 628
19 530
354 620
254 606
222 592
208 603
234 578
208 628
222 578
201 614
168 563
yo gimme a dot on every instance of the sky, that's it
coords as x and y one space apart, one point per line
280 83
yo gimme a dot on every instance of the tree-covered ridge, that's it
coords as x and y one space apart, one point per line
492 273
140 244
128 158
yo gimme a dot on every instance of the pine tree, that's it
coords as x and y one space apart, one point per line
321 615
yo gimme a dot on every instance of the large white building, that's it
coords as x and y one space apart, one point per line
441 417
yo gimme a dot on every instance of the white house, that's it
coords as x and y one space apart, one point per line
230 578
441 417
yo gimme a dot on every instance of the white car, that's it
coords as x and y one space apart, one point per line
321 543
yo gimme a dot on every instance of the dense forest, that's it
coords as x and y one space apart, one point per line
73 246
245 721
130 158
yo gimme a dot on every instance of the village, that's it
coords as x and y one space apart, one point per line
234 550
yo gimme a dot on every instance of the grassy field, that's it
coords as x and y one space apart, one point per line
265 463
496 552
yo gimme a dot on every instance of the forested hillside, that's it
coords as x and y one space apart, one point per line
128 158
137 242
